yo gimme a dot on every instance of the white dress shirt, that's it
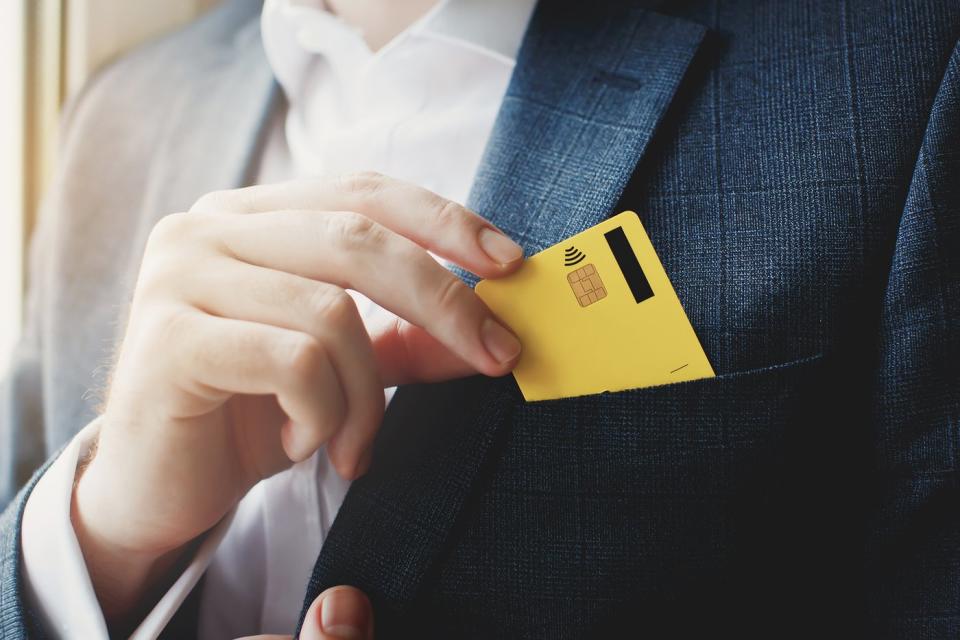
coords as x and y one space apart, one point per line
420 109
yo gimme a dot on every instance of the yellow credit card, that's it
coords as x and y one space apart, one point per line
596 313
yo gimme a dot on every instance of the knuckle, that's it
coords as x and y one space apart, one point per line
213 201
176 321
230 201
353 230
306 358
171 328
157 273
334 305
176 246
449 213
362 183
357 225
169 229
450 295
161 261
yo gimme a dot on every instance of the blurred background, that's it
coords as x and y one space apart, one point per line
48 49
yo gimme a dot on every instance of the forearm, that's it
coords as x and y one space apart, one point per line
127 582
56 583
127 579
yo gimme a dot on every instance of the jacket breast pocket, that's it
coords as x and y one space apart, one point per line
707 495
708 429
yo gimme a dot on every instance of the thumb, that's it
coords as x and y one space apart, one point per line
339 613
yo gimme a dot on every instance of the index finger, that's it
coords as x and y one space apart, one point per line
442 226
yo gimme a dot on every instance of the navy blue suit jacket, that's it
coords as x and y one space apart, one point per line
796 165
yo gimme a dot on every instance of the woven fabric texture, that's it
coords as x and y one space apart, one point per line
791 162
795 164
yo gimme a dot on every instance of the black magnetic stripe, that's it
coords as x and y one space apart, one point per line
629 265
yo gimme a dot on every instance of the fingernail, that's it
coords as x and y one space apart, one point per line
501 344
499 247
344 616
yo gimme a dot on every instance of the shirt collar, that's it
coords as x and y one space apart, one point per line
495 25
292 27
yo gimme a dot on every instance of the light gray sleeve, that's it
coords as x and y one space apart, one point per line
21 390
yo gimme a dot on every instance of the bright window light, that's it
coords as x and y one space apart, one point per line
12 33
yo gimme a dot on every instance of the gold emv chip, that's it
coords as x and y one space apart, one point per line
587 285
627 329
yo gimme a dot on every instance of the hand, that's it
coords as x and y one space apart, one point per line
340 613
243 354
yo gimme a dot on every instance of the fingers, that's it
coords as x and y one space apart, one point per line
291 260
354 252
406 353
395 352
442 226
339 613
321 310
219 357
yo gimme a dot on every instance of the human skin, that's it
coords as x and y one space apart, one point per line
339 613
126 568
243 354
379 20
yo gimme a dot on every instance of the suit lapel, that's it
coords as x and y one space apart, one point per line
207 147
588 91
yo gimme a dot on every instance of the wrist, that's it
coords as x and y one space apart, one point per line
123 574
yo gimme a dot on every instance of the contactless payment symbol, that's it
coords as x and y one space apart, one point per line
627 328
572 256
